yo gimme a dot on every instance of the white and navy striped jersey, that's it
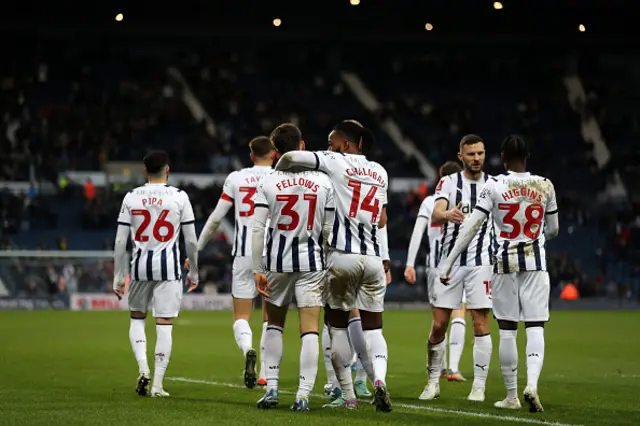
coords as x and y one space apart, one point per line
240 188
456 188
360 189
434 232
297 203
155 212
518 203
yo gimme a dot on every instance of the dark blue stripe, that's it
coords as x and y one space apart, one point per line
363 243
311 249
505 258
176 267
136 266
279 258
295 255
317 161
269 248
456 228
522 262
124 224
472 204
163 265
235 239
374 239
321 243
537 255
437 255
347 235
336 229
480 244
244 240
150 265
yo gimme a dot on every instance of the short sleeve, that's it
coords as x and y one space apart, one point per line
228 189
444 189
552 204
187 215
260 199
426 208
124 218
485 199
326 161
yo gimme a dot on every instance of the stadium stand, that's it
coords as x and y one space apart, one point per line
79 109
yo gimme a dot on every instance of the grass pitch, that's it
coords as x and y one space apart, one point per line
62 367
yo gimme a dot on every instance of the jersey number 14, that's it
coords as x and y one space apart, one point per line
369 204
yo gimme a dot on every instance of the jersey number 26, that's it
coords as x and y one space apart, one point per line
160 223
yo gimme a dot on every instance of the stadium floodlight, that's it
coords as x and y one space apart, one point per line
497 5
277 22
582 28
119 17
428 26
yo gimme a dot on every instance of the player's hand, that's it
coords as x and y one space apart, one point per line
387 265
118 288
388 277
444 276
262 285
187 264
455 215
191 284
410 274
119 293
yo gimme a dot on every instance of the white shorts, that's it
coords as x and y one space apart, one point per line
243 284
433 276
472 283
307 287
521 296
355 281
164 297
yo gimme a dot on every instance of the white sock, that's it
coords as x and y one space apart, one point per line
164 343
359 341
243 335
341 357
272 355
456 343
482 348
261 375
138 339
535 355
361 375
435 360
308 364
326 350
508 352
379 354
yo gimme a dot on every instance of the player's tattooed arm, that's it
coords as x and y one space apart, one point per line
441 215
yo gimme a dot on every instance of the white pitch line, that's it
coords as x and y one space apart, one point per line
409 406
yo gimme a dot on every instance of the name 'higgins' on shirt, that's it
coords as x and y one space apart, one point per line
297 181
363 171
522 192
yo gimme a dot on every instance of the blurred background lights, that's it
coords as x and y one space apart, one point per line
582 28
354 2
277 22
119 17
428 27
497 5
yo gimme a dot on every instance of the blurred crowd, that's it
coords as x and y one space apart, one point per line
69 107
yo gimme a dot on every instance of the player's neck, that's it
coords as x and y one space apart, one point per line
517 168
263 163
471 175
157 181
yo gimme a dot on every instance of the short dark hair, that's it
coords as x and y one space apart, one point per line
356 133
155 162
261 146
286 137
514 147
449 168
470 139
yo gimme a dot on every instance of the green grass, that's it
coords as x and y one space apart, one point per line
77 368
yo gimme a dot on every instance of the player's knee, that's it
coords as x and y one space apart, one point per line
371 320
164 321
336 318
138 315
507 325
534 324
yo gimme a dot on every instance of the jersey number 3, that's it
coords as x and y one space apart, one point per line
161 223
533 215
248 200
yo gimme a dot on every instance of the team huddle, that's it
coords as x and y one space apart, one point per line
314 227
